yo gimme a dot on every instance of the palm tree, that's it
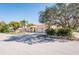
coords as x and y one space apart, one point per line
23 23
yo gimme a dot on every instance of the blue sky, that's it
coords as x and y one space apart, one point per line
19 11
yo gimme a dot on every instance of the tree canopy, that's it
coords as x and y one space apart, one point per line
65 15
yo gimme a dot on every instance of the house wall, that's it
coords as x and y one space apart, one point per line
38 28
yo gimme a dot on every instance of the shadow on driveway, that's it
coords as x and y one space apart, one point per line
33 38
30 39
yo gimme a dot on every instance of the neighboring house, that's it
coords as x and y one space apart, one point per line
41 28
21 29
38 28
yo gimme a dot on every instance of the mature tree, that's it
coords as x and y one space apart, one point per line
47 16
4 27
14 25
66 15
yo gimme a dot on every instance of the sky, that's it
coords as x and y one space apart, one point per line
19 11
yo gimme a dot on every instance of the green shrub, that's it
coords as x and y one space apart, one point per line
6 31
50 32
64 32
59 32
